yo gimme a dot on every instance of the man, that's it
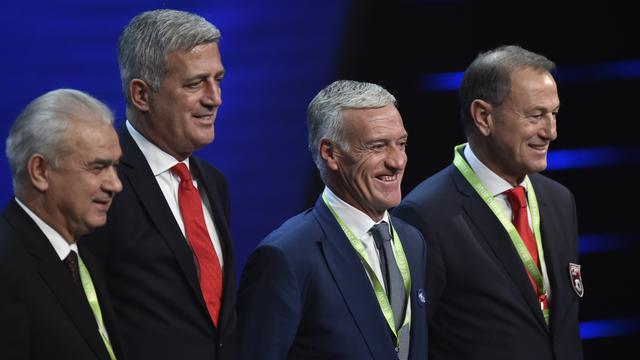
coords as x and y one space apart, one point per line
328 284
166 248
63 153
497 289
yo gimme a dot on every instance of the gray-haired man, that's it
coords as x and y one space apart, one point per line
167 248
63 153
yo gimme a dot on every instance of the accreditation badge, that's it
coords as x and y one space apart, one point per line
576 279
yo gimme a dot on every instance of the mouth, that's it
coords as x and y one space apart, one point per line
388 179
205 118
541 148
103 204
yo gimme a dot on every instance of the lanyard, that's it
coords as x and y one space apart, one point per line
524 254
401 259
90 292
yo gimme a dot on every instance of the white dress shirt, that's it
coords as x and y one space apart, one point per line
496 187
161 163
60 245
360 223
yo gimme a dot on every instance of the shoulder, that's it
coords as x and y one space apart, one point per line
434 188
547 188
295 233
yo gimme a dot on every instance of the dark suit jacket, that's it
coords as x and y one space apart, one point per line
304 294
151 271
43 314
481 302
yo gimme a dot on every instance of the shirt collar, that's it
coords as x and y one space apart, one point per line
159 160
60 245
359 222
494 183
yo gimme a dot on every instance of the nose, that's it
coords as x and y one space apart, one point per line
549 130
213 94
396 158
112 183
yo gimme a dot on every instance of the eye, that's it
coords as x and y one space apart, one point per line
194 85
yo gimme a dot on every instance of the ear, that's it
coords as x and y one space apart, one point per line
328 154
481 111
139 92
38 168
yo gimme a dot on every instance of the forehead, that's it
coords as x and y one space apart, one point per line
532 86
373 122
90 138
204 57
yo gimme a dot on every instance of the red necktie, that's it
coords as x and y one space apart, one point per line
198 237
518 202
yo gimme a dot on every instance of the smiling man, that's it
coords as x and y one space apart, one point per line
343 280
63 153
502 239
167 248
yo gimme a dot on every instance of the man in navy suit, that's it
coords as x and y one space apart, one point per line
63 153
173 287
502 239
317 287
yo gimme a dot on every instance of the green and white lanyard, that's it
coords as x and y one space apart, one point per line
401 259
524 254
90 292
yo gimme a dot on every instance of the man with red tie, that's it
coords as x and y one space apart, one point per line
167 248
501 238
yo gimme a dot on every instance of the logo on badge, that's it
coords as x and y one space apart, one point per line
576 279
422 299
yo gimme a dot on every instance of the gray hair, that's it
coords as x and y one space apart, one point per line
324 114
488 77
41 128
146 42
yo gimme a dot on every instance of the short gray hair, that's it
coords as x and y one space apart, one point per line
324 114
41 128
148 39
488 77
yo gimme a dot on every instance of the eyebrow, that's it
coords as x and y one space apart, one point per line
205 75
103 162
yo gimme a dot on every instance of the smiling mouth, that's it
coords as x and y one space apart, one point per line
105 204
539 147
387 178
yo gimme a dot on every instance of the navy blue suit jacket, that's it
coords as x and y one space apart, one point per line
151 271
481 302
304 294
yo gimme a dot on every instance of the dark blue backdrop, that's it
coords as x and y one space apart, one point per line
277 55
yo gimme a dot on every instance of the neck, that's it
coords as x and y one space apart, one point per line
48 215
488 157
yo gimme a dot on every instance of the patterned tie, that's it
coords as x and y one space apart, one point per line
518 202
198 237
72 264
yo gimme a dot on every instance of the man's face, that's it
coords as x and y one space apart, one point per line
183 111
524 125
81 188
369 173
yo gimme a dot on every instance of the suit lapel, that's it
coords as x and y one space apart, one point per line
136 171
106 308
51 269
352 281
492 231
550 229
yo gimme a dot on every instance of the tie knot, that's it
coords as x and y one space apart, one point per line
516 197
72 258
380 233
182 171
